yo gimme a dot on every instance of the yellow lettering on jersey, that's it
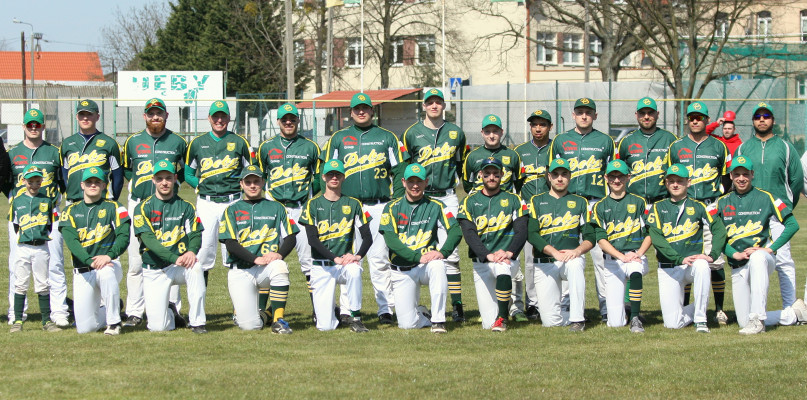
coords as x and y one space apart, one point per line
641 170
488 225
420 240
171 237
329 231
83 161
280 176
550 224
583 167
90 236
677 233
355 163
622 228
736 233
703 174
248 237
427 155
29 221
211 167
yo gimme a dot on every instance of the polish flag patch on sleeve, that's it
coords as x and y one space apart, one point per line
779 204
122 212
198 220
449 215
292 221
712 209
367 214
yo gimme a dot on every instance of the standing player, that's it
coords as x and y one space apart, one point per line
560 234
290 165
170 235
34 150
410 226
259 235
730 138
534 156
439 146
218 158
374 162
619 221
494 224
141 152
96 231
331 220
588 152
776 170
31 213
677 229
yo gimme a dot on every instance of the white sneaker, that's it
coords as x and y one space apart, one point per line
722 318
754 326
800 308
112 330
701 327
62 323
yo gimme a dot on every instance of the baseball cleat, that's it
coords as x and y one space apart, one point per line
636 325
199 329
132 321
577 327
11 319
356 325
499 326
604 318
281 327
755 325
458 315
385 319
439 327
16 327
721 318
62 322
346 320
519 316
532 313
179 322
50 326
701 327
112 330
314 317
800 308
424 312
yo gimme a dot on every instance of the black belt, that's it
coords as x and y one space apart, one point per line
666 265
293 204
224 198
35 242
372 202
236 266
82 270
402 268
543 260
324 263
436 193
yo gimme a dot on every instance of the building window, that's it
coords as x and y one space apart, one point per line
354 52
397 56
801 87
764 21
572 49
721 25
425 50
804 26
544 48
595 48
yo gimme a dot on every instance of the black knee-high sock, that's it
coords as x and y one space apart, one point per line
719 287
635 294
504 287
687 290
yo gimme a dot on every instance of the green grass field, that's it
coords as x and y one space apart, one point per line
468 362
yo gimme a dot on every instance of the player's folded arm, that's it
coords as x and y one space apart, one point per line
155 247
240 252
663 246
121 240
472 238
287 245
791 227
366 240
519 236
312 234
453 238
70 237
400 249
534 235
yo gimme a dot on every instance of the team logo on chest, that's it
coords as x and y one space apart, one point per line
43 207
102 214
452 134
690 210
631 208
230 146
504 202
345 209
571 204
100 143
506 160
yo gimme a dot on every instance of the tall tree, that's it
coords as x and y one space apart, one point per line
129 33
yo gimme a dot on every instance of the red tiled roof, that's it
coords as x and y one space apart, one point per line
344 96
52 66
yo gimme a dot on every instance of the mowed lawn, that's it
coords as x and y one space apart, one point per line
524 362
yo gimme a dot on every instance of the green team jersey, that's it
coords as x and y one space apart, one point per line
473 164
534 161
46 157
172 222
218 162
290 168
100 228
33 215
370 155
336 221
588 155
560 222
440 151
620 221
647 157
706 162
79 154
493 217
259 226
677 230
776 167
416 225
142 151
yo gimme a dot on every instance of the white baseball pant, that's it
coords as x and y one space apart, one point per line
598 260
671 283
210 213
324 277
531 296
406 288
31 260
785 266
378 262
96 297
615 274
485 284
452 205
303 249
12 277
56 276
243 285
157 284
549 277
749 287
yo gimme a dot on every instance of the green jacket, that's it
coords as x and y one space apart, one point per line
647 158
89 230
493 217
706 162
534 161
141 152
79 154
290 168
620 221
257 226
511 180
440 151
47 158
32 216
214 164
777 168
410 229
562 223
677 230
337 223
166 229
588 156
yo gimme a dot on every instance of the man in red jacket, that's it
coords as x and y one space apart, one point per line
730 138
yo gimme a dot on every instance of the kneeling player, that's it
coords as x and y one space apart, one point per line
619 222
251 226
560 234
676 229
494 224
170 234
330 220
410 226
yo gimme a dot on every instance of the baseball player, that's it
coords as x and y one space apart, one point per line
560 234
213 165
374 162
34 150
141 152
494 224
170 234
31 213
677 229
410 225
534 156
619 221
440 146
290 165
331 221
259 235
96 231
776 170
747 212
588 152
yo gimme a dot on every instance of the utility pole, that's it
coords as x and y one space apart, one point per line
22 57
289 53
330 50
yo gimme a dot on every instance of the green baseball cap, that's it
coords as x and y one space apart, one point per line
678 170
432 93
94 172
415 170
491 162
491 119
87 105
585 102
741 161
360 98
540 114
155 102
646 102
219 105
558 163
164 165
251 170
333 165
34 115
287 109
31 172
761 106
697 107
617 165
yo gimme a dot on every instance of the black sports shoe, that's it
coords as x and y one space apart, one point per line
344 320
532 313
132 321
198 329
458 315
179 322
577 327
357 326
386 319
